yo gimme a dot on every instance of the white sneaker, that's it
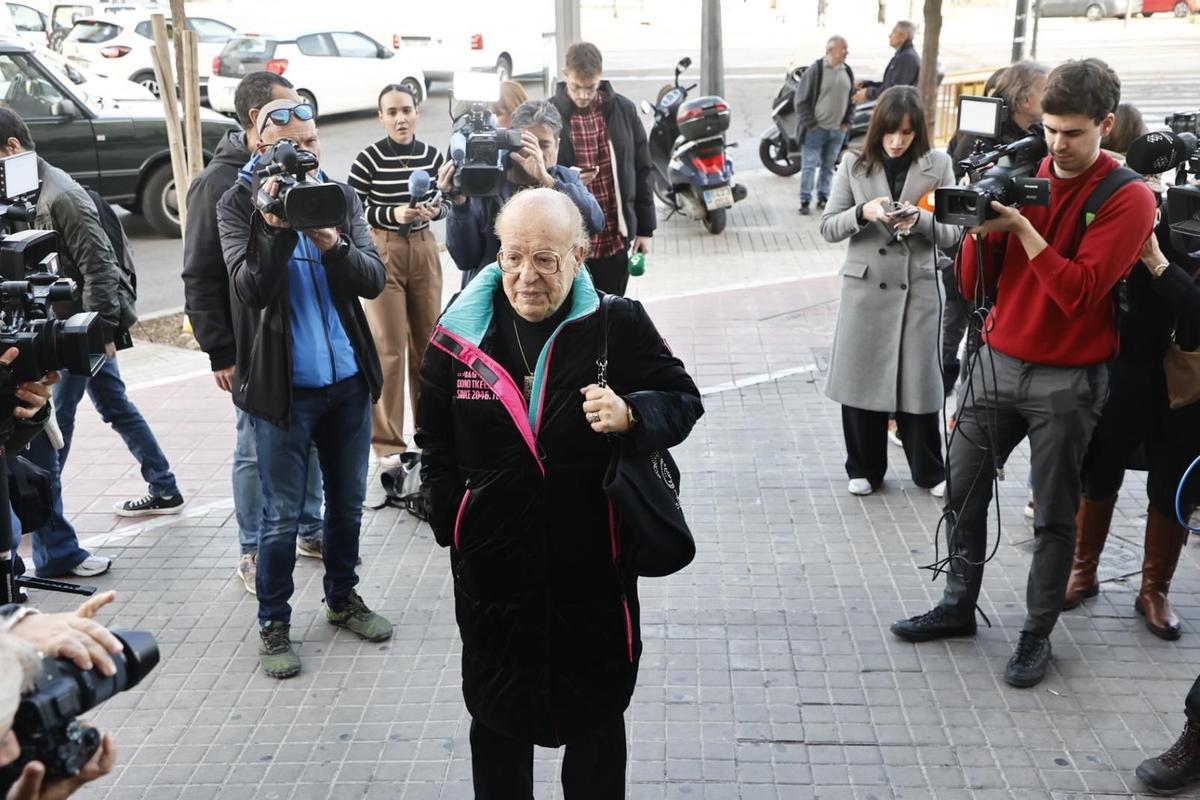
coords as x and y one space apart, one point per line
894 433
860 486
92 566
389 462
1030 510
939 490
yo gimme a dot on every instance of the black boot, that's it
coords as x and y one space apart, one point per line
1175 769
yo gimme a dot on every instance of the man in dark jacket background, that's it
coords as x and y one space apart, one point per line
823 113
308 372
903 70
606 140
470 236
211 310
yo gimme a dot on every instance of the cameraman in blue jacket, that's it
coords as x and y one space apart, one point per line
470 236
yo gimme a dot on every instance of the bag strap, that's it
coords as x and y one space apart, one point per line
1111 184
602 354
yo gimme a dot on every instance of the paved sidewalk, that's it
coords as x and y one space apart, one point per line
768 669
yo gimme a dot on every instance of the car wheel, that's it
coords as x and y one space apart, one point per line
308 97
1094 12
146 78
159 203
1147 14
1181 9
504 68
414 86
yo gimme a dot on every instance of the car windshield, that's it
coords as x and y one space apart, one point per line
93 32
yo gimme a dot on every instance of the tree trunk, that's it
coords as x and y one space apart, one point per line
882 11
821 4
928 82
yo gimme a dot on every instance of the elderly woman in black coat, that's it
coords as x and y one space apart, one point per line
512 428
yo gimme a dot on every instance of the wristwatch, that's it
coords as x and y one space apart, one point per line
341 249
13 619
1157 271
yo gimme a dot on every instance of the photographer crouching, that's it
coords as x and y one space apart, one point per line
297 248
470 233
1042 370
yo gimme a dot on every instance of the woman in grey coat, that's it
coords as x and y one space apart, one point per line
886 356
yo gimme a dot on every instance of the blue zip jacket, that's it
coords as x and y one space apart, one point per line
321 350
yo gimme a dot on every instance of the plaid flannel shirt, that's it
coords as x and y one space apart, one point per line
589 136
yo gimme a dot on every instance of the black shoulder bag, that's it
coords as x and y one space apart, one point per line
644 490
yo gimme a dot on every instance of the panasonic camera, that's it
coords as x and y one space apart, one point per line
1005 173
302 201
46 724
478 148
32 294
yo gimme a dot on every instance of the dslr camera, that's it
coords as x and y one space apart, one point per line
1004 174
302 201
46 724
478 148
32 293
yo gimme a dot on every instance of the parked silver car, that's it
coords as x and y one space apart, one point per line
1092 9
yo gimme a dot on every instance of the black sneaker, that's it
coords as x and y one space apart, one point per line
821 201
148 505
1175 769
804 209
1027 666
933 624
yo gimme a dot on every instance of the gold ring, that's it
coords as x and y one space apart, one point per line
593 416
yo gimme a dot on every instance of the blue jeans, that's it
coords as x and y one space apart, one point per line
56 549
337 419
247 491
107 391
821 146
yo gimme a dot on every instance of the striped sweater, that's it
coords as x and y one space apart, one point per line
380 177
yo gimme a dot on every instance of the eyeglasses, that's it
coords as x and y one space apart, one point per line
545 262
282 116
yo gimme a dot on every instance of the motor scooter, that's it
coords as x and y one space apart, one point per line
691 171
779 149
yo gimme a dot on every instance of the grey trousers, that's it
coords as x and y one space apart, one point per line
1009 399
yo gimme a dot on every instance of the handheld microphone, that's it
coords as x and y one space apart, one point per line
418 186
1159 151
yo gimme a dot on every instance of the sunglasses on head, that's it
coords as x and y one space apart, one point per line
282 116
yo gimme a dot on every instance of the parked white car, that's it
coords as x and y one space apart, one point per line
98 91
490 39
27 21
118 45
335 70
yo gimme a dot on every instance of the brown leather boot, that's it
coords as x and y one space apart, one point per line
1091 531
1164 542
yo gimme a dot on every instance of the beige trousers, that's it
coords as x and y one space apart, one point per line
402 319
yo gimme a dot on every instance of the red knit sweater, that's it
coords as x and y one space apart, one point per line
1058 309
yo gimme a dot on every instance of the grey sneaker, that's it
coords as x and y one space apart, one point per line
275 652
310 548
247 569
355 617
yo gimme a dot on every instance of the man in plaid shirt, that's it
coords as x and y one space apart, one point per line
604 138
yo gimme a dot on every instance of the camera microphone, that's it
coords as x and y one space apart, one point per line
418 186
1159 151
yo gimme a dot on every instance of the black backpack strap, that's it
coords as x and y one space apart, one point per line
1111 184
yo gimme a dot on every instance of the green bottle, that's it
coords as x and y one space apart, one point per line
637 264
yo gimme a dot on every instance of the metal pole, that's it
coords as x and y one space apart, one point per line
1128 11
1037 18
712 66
566 32
1018 48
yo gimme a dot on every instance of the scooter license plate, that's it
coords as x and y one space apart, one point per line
721 197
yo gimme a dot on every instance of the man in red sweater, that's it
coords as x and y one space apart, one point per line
1043 370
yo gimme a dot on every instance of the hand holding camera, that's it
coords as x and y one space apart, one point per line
31 783
445 183
74 635
31 396
530 159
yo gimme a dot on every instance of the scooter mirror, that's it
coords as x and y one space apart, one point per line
684 63
647 108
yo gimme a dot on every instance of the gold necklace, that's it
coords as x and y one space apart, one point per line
528 369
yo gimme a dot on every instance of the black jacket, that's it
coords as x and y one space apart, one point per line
257 258
807 92
903 70
547 611
206 295
628 138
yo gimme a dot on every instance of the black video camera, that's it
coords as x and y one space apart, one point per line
46 724
1180 122
31 288
303 202
479 150
1179 149
1010 183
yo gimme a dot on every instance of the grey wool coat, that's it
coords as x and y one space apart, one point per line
886 348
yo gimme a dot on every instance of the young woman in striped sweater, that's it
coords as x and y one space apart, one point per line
403 316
